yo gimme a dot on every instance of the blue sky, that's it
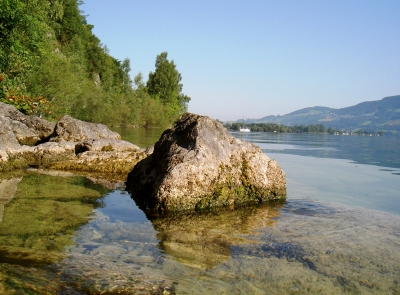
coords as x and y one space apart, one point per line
256 58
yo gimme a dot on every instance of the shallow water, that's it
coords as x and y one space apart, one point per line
140 136
338 233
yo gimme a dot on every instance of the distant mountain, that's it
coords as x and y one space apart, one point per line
381 115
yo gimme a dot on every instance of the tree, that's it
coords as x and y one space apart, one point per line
164 84
138 80
51 63
23 29
23 37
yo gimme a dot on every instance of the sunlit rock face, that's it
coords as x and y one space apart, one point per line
70 129
28 130
70 144
198 165
18 133
105 155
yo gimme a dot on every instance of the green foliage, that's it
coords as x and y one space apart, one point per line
11 93
23 31
48 53
165 84
23 34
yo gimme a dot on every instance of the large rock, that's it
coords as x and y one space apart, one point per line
50 152
28 130
12 153
18 134
105 144
197 165
70 144
70 129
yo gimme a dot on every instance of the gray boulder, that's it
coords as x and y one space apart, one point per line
28 130
70 129
198 165
50 152
73 145
12 153
18 134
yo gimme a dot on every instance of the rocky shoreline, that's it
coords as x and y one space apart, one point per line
70 144
194 165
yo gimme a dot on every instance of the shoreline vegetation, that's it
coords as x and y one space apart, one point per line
51 64
316 128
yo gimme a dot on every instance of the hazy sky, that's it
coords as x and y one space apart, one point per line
253 58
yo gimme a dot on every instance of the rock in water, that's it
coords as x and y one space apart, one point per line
198 165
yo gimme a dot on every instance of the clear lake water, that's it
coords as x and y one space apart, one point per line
337 233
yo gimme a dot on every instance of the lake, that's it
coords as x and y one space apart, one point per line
338 232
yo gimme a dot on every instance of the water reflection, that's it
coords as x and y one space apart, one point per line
204 240
141 137
375 150
40 214
8 187
298 247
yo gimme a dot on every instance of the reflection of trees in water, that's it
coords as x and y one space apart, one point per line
204 239
42 214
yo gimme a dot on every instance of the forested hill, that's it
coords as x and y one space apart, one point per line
381 115
52 64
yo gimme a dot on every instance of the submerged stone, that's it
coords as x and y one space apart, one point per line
198 165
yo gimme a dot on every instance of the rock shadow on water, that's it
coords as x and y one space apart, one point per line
205 239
